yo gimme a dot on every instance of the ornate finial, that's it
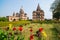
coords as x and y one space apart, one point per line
21 7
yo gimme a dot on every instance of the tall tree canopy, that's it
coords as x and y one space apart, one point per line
55 15
55 5
56 9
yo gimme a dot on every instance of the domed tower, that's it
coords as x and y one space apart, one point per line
23 15
17 14
38 14
21 11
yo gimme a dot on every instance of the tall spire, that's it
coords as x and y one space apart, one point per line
38 7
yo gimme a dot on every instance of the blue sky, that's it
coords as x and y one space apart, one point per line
7 7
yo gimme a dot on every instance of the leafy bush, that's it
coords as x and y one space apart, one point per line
3 19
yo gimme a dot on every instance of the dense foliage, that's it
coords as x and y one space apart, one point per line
57 15
56 9
3 19
55 5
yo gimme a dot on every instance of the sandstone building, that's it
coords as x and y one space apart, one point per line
18 16
38 14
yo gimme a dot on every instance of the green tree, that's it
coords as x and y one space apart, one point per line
56 9
57 15
55 5
3 19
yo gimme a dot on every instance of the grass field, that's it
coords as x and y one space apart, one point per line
50 30
15 23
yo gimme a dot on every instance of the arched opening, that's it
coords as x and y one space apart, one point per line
14 19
